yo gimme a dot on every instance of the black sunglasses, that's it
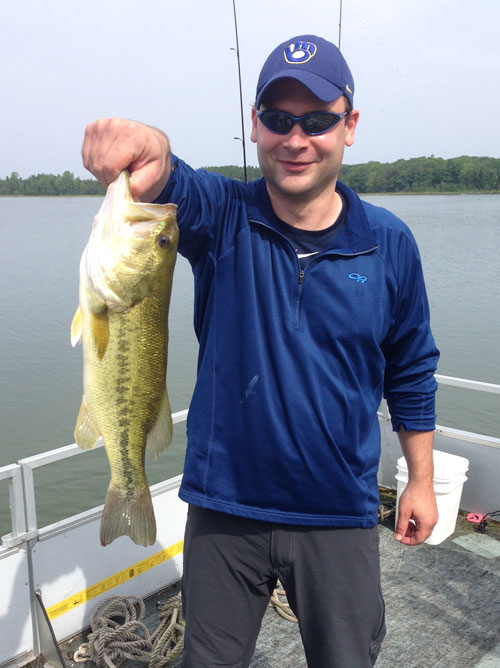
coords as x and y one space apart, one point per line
314 123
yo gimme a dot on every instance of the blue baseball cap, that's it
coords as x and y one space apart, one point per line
314 62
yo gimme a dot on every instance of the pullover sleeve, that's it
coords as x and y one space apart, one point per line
409 348
200 197
208 210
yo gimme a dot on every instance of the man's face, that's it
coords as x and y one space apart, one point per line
297 165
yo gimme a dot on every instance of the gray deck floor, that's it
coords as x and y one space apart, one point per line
442 608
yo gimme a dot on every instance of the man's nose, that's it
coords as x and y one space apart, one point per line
296 138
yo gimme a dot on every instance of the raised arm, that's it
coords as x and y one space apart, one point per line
417 502
113 144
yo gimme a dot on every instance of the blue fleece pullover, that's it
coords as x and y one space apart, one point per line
292 365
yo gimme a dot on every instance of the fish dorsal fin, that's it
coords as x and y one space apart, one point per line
160 436
86 432
100 330
77 327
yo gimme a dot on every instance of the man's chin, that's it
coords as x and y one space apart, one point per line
297 186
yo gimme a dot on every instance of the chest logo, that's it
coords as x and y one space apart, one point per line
358 278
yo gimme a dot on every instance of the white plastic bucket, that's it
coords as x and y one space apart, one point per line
449 478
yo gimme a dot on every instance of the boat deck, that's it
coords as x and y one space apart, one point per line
442 607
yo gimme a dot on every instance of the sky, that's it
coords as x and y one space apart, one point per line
426 74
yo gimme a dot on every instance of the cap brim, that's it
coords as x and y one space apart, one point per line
321 88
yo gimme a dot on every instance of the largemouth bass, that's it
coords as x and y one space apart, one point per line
126 275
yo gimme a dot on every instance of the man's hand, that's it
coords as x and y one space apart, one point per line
113 144
418 501
418 504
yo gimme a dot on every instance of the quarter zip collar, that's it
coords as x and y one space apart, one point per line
355 238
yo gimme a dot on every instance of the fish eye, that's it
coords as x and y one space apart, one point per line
163 241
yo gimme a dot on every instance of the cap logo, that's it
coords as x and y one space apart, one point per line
300 52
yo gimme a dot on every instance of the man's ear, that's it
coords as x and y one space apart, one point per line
253 135
350 127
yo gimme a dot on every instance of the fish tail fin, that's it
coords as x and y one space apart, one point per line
160 436
128 514
86 431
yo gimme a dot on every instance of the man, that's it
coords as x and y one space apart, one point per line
309 304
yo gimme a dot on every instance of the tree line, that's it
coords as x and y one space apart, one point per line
49 185
466 174
416 175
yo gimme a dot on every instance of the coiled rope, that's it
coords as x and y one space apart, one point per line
118 633
282 607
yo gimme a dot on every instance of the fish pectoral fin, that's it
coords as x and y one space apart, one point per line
100 329
86 431
77 327
160 436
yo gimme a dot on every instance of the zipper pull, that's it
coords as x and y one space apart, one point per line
301 276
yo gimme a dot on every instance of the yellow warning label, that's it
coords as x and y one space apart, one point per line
114 580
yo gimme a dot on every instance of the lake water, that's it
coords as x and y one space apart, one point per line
41 374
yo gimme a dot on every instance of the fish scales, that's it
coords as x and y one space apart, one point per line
122 322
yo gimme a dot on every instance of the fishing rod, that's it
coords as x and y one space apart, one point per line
241 94
340 21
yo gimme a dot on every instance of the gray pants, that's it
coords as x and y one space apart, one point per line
331 577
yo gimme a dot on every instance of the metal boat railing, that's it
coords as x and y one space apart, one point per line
44 580
450 432
21 475
22 487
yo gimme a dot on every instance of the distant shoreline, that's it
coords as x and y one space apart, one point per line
432 192
466 175
360 194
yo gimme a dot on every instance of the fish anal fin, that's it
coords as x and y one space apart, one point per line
77 327
86 431
100 330
127 514
160 436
